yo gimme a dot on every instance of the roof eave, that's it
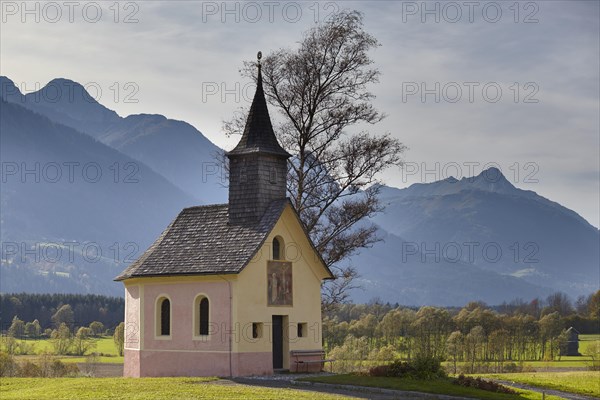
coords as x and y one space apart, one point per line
120 279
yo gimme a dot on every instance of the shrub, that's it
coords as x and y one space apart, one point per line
8 366
60 369
8 344
97 328
482 384
43 367
400 368
380 370
30 370
71 370
82 341
512 368
428 368
119 338
61 339
45 362
425 368
91 364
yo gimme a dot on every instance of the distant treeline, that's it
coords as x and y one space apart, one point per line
87 308
477 333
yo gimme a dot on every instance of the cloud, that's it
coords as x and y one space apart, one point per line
177 48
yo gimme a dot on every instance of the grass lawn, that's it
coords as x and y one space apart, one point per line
71 359
104 344
440 386
142 389
564 362
582 382
587 340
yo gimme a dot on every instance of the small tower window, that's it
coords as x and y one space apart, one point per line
278 248
165 317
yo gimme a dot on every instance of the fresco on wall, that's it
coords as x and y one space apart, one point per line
279 288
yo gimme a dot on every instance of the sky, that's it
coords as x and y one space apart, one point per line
465 85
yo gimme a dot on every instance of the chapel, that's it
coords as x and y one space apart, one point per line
230 289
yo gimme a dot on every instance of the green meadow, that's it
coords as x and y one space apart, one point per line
439 386
581 382
143 389
104 346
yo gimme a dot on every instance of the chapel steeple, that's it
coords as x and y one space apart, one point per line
257 165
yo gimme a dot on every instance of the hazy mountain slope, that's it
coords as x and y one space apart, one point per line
395 271
65 102
174 149
76 190
489 223
446 242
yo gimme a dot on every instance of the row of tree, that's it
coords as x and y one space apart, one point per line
63 339
476 333
64 316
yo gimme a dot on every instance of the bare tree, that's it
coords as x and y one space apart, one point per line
560 303
320 91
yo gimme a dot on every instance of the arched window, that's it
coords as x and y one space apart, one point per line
203 317
278 248
165 317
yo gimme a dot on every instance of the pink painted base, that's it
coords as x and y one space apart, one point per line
169 363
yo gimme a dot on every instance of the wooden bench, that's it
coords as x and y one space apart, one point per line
310 357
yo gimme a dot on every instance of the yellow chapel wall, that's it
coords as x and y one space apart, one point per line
250 293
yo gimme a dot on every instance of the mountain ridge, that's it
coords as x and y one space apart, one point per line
149 141
485 209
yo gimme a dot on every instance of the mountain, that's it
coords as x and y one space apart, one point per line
444 243
487 223
63 101
175 149
74 211
394 270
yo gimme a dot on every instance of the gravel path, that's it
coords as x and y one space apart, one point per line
357 392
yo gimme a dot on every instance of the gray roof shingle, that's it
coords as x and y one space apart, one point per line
200 241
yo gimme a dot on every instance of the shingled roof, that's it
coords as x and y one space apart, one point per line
200 241
258 134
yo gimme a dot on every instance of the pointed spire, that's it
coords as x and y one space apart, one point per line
258 136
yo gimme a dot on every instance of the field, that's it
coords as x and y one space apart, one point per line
143 389
585 341
103 345
441 386
581 382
